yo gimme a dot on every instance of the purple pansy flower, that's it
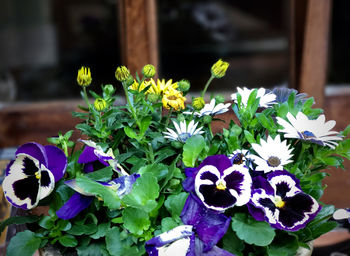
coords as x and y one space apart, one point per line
93 154
202 230
32 175
219 184
81 199
280 201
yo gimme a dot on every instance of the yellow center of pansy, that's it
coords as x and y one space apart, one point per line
38 175
221 185
279 203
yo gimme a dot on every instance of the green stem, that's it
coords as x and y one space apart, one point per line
133 112
168 117
86 98
207 85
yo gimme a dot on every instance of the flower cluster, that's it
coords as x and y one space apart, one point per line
151 177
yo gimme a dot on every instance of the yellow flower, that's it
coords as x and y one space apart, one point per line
84 76
218 70
100 104
139 87
161 86
173 99
122 73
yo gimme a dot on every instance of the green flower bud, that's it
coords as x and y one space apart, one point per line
122 73
153 98
84 77
198 103
207 119
129 81
219 99
184 85
180 117
176 144
108 89
149 71
218 70
100 104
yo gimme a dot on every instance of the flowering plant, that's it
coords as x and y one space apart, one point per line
151 177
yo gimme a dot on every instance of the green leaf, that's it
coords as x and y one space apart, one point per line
68 241
101 230
168 223
109 196
104 174
263 120
232 243
18 220
113 242
130 132
47 222
24 243
145 122
252 231
175 203
191 150
249 137
93 249
82 229
136 220
283 245
323 228
143 194
160 171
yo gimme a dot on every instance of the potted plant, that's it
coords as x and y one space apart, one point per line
151 177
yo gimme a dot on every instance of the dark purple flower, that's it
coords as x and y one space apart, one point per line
32 175
81 199
210 226
280 201
219 184
93 155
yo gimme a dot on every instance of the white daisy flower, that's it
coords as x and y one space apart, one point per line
211 109
266 99
317 131
273 154
183 131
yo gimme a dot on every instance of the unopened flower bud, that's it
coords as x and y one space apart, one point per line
84 77
149 71
109 89
207 119
184 85
218 70
219 99
153 98
198 103
129 81
180 117
122 73
100 104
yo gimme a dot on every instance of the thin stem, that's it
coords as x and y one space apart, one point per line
207 85
168 117
133 112
85 96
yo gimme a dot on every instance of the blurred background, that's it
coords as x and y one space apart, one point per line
44 42
300 44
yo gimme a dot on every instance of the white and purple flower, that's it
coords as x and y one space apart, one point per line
92 155
211 109
272 154
183 131
265 99
317 131
239 157
219 184
280 201
203 229
81 199
32 175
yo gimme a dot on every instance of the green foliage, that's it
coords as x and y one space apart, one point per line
24 243
191 150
